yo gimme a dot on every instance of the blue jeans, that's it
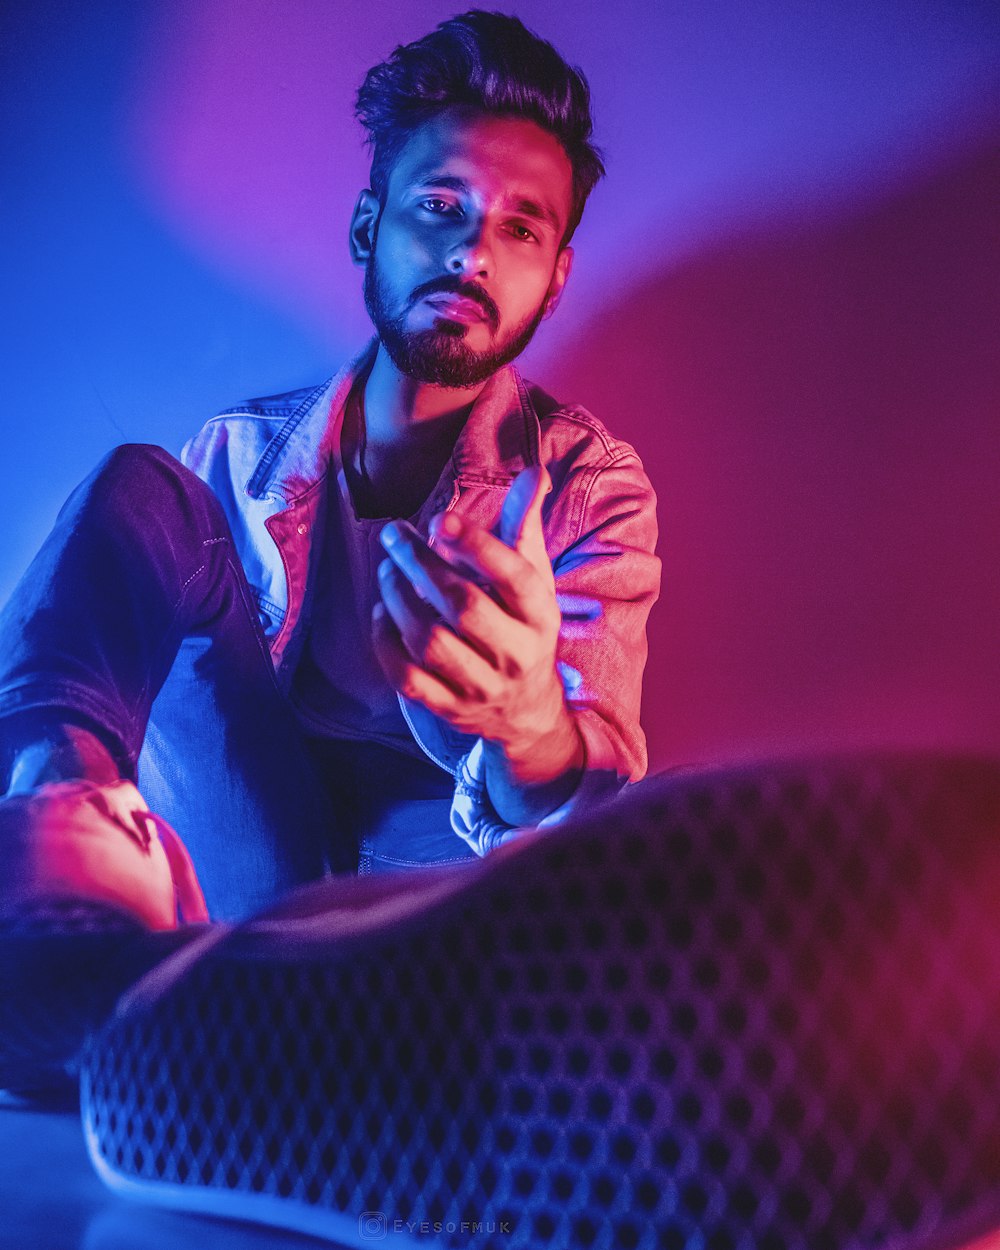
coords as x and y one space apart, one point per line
136 622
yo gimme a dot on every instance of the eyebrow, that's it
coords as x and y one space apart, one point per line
525 207
540 212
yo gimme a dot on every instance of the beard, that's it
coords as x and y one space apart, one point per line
440 356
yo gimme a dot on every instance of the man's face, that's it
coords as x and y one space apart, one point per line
465 258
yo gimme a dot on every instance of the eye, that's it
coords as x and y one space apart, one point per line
437 205
521 232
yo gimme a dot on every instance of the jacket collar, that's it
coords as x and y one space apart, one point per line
500 437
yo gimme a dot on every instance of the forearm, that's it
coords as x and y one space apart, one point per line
532 775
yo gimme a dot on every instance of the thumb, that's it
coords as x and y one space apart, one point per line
521 516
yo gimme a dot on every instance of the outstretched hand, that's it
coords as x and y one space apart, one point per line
469 629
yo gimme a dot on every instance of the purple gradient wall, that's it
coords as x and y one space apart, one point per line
787 296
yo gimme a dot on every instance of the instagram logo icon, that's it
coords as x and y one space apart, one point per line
372 1225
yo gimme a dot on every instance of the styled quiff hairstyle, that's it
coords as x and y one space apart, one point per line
490 62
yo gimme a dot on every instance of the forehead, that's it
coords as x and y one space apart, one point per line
499 158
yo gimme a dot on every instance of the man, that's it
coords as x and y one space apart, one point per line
407 621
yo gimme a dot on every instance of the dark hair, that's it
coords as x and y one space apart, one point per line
493 63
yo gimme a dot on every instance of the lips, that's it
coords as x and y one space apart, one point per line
457 307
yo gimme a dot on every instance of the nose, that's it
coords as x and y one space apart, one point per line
470 256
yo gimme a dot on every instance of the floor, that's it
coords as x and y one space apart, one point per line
51 1199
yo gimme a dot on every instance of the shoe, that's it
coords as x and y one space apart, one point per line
77 841
753 1007
93 888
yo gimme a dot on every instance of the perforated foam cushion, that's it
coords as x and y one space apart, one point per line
755 1008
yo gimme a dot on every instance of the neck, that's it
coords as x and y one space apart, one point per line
399 410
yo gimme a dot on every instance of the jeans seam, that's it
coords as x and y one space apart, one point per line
248 606
236 571
143 697
185 584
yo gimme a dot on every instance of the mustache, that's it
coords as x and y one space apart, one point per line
447 285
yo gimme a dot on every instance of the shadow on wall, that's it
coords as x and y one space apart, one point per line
818 409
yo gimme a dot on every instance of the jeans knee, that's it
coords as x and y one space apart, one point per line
147 484
134 462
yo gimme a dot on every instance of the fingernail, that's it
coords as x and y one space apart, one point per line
384 569
378 611
449 525
389 536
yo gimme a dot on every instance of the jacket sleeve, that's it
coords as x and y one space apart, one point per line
607 579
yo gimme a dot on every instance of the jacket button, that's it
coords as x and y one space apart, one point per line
302 528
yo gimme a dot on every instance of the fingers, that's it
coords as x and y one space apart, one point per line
431 644
516 565
524 586
521 517
416 683
469 627
452 595
405 676
530 541
518 606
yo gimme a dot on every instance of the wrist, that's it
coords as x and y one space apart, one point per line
524 788
541 753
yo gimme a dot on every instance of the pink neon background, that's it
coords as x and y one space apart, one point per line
787 296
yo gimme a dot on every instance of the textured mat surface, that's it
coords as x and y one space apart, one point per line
747 1009
51 1199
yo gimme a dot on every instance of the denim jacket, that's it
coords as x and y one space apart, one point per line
268 462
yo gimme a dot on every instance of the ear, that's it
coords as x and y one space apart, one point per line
564 263
364 222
